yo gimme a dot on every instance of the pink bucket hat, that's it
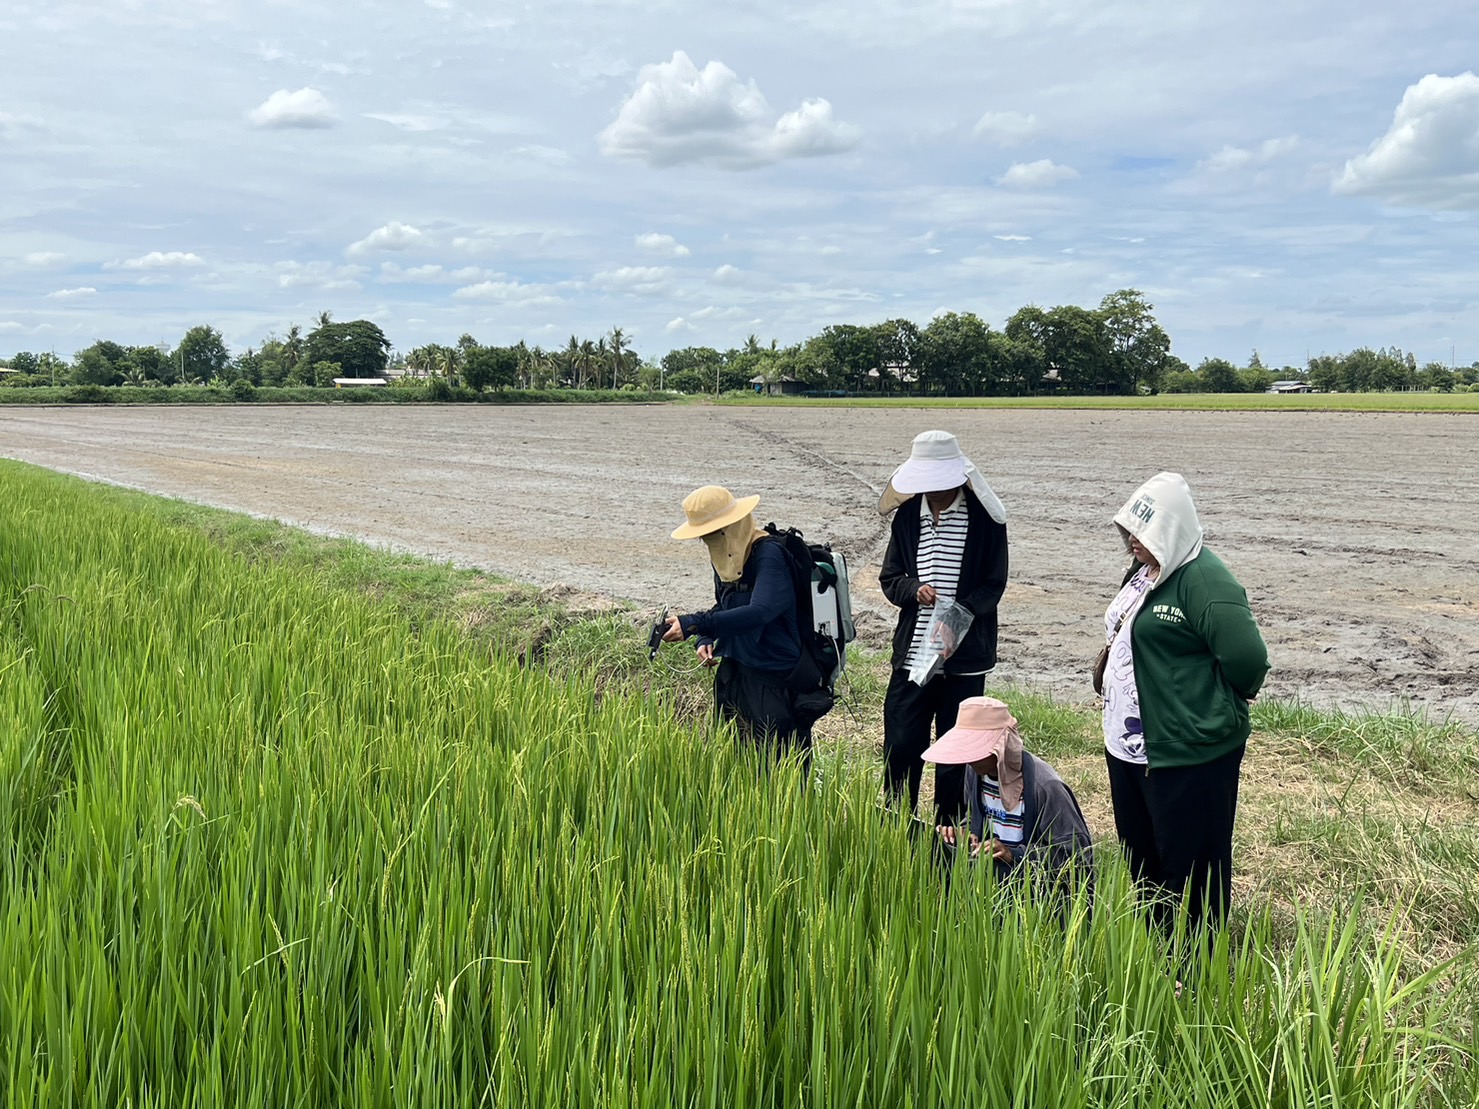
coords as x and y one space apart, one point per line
984 726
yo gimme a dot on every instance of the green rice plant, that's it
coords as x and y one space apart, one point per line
1406 747
286 845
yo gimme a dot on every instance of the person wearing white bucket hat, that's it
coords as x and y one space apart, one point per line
947 543
751 633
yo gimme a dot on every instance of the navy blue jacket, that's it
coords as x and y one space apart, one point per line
753 620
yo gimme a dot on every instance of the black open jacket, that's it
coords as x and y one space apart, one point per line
983 579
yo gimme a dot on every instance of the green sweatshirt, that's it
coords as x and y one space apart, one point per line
1198 660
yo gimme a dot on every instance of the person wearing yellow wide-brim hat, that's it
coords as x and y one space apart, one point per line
750 634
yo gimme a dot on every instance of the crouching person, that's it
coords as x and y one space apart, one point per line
750 634
1022 814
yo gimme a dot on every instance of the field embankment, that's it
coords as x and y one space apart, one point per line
286 823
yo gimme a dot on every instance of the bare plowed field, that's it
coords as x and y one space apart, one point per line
1356 535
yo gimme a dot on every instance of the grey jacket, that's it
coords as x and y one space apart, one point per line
1055 835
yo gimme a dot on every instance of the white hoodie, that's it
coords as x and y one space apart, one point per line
1163 517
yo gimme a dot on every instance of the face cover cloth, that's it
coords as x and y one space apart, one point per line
730 546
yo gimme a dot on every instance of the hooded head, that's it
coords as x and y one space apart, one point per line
725 523
937 463
1163 517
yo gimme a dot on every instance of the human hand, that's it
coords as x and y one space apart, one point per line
674 634
975 845
1000 851
706 654
947 833
926 595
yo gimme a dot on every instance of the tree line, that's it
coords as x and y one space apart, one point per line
1116 348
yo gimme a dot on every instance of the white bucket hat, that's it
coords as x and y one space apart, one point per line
935 463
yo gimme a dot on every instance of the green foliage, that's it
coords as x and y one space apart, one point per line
201 355
359 347
1218 375
87 394
489 367
1255 379
99 364
270 842
1364 370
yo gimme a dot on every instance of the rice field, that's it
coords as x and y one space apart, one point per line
270 841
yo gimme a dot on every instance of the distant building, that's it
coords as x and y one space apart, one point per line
780 387
354 382
1290 387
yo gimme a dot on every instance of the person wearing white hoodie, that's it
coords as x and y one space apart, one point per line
1185 661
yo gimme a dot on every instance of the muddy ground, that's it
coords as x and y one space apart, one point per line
1356 534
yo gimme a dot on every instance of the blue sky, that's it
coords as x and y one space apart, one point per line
1296 178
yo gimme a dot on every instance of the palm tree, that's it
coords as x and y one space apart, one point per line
587 359
618 355
572 362
601 360
292 347
447 363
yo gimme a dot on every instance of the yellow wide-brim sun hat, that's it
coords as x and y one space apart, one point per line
711 508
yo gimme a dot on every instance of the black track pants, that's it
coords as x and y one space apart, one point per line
1175 825
760 705
913 717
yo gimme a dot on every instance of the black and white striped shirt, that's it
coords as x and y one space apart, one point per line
941 550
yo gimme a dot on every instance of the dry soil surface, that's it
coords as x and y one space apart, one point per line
1356 535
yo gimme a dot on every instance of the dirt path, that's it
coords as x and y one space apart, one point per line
1357 535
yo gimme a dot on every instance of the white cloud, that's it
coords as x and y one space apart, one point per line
304 108
1006 128
318 275
1429 157
511 293
674 325
714 312
679 114
633 279
159 260
14 127
393 236
1231 158
389 271
408 121
544 155
1040 174
44 258
662 244
1014 238
72 294
728 275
